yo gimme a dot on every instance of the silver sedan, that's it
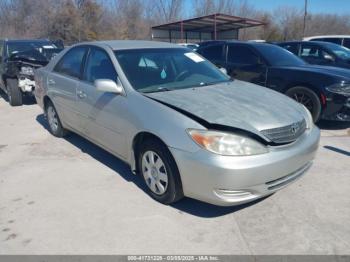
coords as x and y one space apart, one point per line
177 120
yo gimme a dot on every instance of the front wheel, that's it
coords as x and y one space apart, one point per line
14 94
308 98
159 171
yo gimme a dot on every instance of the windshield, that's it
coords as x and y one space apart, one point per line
339 51
23 46
278 56
166 69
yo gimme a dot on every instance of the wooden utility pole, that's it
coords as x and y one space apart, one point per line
305 16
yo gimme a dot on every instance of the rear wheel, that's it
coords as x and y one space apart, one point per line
14 94
308 98
54 121
159 171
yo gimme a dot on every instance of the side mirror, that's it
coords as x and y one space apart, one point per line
223 69
108 86
328 57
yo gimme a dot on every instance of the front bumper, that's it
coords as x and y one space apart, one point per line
231 180
338 108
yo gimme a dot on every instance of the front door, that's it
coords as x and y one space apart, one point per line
102 113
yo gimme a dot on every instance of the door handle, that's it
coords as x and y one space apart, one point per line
51 82
81 94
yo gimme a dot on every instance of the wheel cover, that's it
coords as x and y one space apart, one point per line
304 99
52 118
154 172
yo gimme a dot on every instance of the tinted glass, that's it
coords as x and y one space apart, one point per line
291 48
313 51
71 63
156 70
346 42
333 40
212 52
22 46
278 56
99 66
241 55
338 50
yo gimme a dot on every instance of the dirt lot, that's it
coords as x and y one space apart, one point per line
67 196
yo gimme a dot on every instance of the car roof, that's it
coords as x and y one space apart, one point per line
325 36
131 44
26 40
322 43
252 43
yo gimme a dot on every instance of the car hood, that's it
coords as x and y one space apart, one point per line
327 70
236 104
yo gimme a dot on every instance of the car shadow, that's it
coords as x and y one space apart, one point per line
333 125
186 205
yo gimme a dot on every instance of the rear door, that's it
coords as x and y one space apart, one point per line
1 63
62 85
245 64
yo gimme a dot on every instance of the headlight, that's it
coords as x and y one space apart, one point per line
342 88
226 143
308 118
26 70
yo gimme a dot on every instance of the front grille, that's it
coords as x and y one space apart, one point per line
285 134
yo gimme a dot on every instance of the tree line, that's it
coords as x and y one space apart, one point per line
84 20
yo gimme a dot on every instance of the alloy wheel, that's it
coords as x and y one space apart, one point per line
304 99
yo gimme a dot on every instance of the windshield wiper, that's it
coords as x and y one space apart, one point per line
159 89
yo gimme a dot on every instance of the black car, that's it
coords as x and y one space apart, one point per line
320 53
18 60
325 91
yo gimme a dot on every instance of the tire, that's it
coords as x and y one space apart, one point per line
14 94
161 178
308 98
54 122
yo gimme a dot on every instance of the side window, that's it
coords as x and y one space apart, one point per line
346 42
291 48
213 52
99 66
241 55
71 63
309 51
333 40
1 48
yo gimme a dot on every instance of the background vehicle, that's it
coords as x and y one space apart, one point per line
178 120
320 53
325 91
18 60
191 46
343 40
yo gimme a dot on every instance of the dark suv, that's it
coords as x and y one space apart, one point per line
320 53
18 60
325 91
